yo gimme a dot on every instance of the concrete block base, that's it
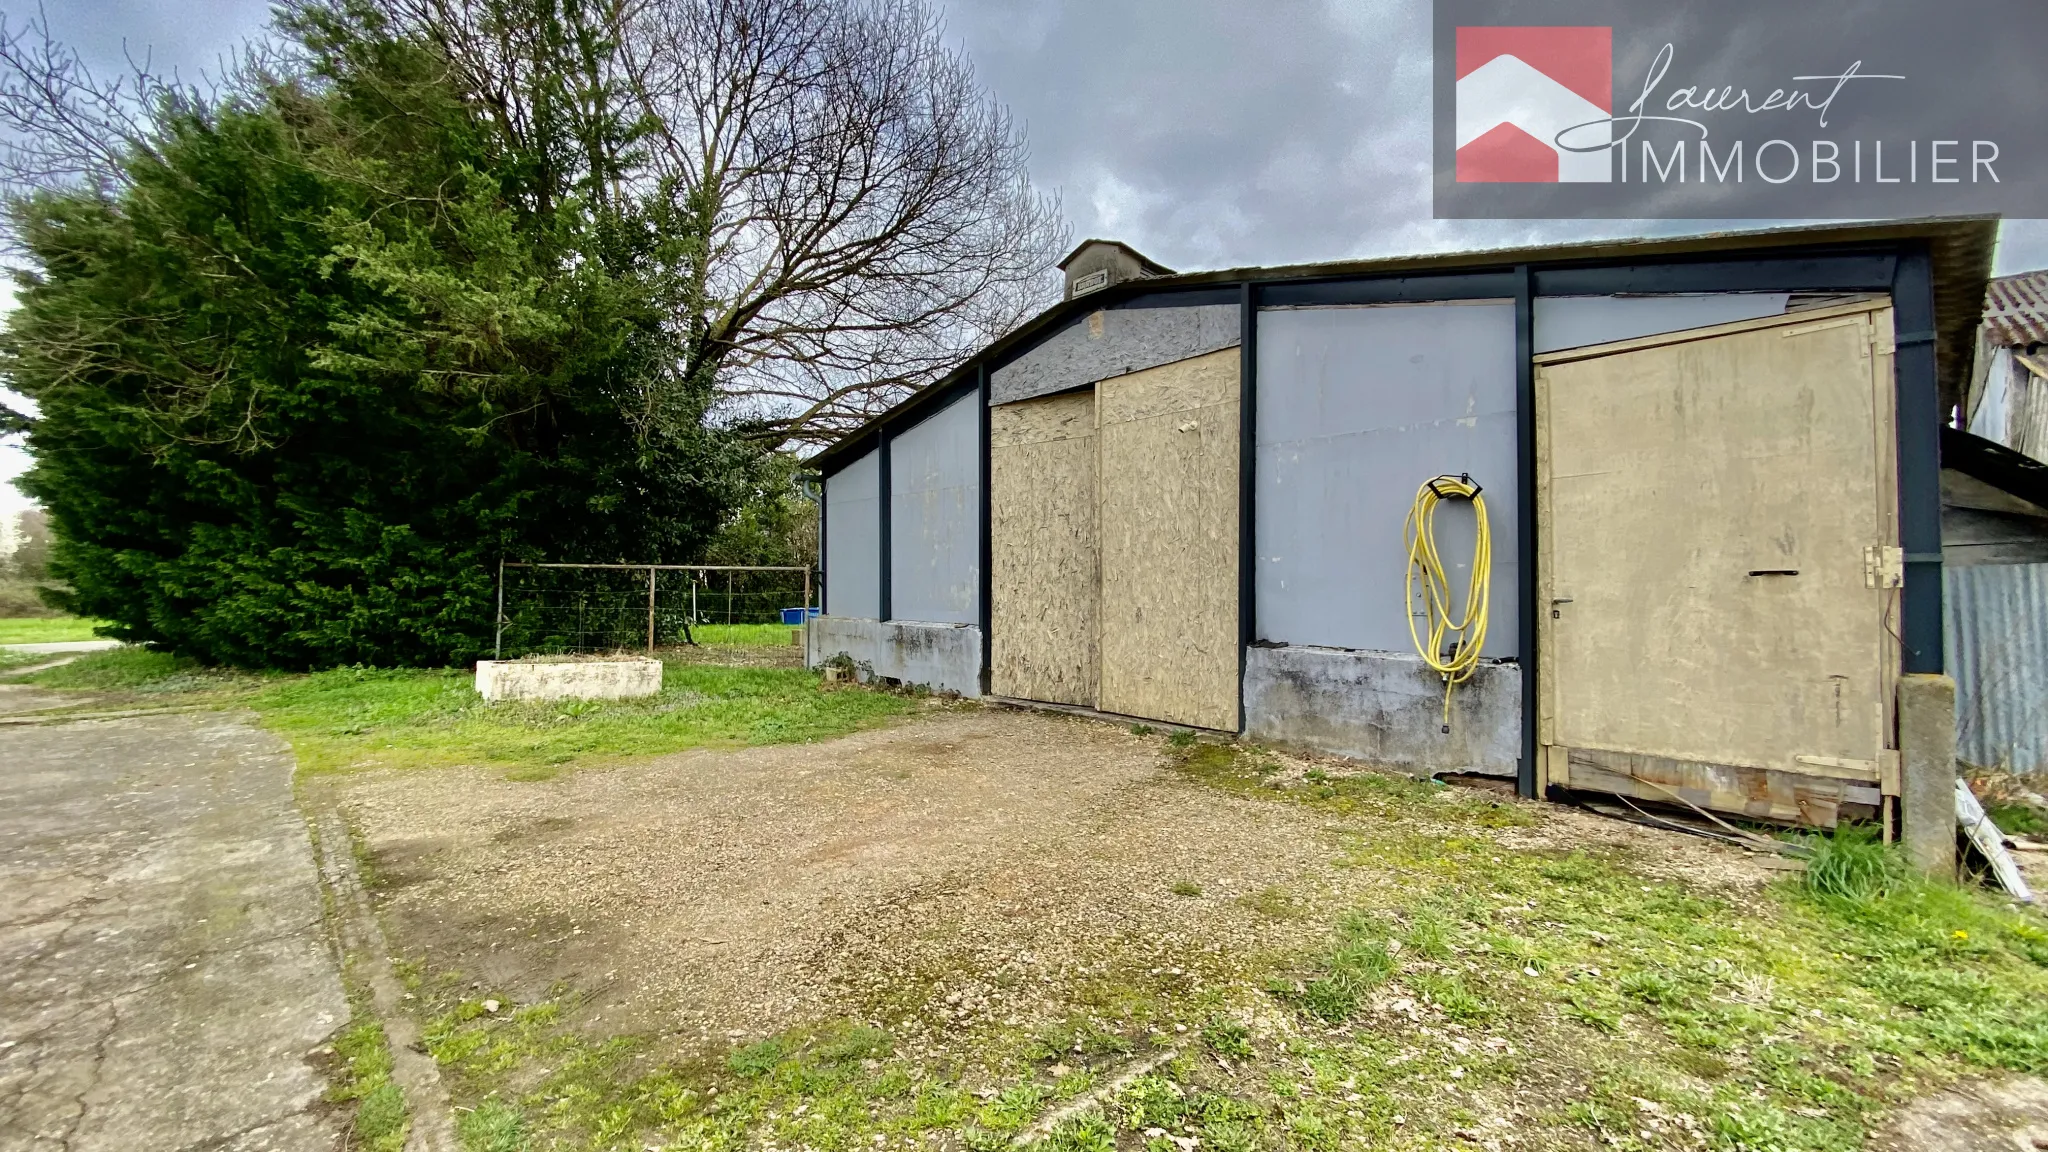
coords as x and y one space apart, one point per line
1384 708
946 657
1927 772
568 679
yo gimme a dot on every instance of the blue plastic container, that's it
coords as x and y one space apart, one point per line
794 617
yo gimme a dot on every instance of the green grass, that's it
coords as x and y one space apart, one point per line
147 674
745 635
354 718
365 1083
46 629
2018 819
12 659
351 718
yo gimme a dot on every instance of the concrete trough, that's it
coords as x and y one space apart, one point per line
601 678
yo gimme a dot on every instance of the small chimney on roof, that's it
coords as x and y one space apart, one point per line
1097 264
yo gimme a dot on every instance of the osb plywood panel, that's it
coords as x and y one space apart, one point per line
1706 504
1169 514
1043 557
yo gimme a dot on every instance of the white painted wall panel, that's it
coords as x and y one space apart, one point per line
935 517
1582 321
853 539
1356 408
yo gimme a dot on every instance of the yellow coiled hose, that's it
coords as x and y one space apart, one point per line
1466 635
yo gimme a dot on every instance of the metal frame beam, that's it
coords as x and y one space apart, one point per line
985 593
1525 521
884 610
1918 426
1838 272
1247 484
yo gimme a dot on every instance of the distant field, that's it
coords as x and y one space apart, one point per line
48 629
744 635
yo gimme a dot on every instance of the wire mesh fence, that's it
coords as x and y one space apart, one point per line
585 609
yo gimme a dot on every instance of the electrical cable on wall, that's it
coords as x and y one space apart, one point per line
1451 647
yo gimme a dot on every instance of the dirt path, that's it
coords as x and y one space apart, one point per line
166 981
973 868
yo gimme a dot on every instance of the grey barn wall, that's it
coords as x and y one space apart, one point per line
935 517
1115 342
1581 321
1357 407
853 539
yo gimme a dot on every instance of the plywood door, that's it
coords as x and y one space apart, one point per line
1710 623
1168 445
1044 581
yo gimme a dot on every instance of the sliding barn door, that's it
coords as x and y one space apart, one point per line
1168 439
1044 568
1718 592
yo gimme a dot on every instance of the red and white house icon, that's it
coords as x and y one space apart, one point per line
1518 88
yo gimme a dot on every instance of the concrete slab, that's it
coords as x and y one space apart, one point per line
168 984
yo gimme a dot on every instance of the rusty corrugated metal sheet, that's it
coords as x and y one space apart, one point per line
1997 637
2016 309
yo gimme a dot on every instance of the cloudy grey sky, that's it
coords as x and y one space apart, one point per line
1207 133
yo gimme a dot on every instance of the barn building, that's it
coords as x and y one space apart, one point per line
1710 467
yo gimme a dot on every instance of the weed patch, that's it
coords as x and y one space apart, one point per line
365 1083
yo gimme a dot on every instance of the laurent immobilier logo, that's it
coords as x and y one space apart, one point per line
1519 90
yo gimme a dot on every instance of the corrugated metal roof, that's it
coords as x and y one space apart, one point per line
1997 639
1961 249
2016 309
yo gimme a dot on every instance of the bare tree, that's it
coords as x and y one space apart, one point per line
855 211
861 209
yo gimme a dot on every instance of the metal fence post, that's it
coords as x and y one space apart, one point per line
650 609
498 640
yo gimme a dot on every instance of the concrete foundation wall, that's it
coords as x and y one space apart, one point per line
942 656
1115 342
1383 708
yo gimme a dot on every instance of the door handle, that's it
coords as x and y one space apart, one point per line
1554 613
1774 571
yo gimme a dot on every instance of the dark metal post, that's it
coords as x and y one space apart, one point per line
498 640
1247 486
1525 522
650 609
885 593
987 590
1919 438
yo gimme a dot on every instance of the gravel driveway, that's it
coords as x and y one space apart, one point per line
167 984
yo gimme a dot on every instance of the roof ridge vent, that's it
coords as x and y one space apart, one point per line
1098 264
